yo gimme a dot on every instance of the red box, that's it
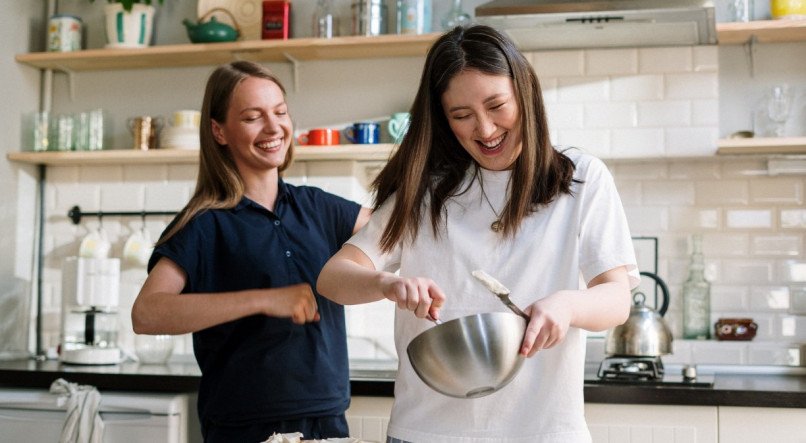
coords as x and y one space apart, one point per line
276 20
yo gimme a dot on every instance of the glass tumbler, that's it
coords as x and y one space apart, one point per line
741 10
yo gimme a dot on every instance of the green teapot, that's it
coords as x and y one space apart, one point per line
212 31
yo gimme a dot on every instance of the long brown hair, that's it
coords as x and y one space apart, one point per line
219 184
431 162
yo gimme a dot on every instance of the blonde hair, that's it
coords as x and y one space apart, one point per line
219 184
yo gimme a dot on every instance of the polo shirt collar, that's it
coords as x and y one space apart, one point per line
282 195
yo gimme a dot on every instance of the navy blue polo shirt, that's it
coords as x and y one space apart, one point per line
261 368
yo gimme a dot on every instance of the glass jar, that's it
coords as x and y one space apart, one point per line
696 296
325 24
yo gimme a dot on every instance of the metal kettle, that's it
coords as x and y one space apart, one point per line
644 334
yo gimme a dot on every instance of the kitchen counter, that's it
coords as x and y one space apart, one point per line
778 390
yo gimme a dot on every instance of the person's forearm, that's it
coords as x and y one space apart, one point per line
348 283
164 313
601 307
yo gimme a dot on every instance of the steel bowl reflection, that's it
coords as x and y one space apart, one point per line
469 357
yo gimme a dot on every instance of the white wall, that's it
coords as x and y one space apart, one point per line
21 30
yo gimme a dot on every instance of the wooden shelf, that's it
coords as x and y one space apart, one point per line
765 31
205 54
379 152
773 145
306 49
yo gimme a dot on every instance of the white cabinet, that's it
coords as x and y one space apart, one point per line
613 423
368 417
38 416
779 425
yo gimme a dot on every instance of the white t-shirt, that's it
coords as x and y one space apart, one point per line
585 233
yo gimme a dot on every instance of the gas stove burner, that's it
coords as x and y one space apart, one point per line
631 368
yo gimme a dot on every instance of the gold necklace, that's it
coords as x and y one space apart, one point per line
496 225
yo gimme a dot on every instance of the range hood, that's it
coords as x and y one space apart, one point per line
573 24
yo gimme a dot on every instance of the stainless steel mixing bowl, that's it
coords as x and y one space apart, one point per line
471 356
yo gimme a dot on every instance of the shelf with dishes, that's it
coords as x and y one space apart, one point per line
764 31
188 156
205 54
306 49
766 145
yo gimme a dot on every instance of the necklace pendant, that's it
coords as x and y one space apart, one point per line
496 226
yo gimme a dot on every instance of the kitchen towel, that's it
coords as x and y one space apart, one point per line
82 423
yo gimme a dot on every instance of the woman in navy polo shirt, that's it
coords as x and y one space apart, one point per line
237 266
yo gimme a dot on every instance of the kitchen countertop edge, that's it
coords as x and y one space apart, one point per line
774 391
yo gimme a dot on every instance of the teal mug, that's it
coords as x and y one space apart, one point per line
398 125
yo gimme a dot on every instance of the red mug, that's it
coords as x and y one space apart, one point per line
320 137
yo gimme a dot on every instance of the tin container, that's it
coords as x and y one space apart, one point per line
64 33
369 17
276 23
414 16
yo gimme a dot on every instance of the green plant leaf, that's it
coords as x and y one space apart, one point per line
127 4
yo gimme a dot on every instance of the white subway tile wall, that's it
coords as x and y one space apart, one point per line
754 257
618 104
636 102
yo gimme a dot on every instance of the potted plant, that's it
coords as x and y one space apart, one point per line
129 23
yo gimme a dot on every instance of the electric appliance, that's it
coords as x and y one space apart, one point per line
90 299
567 24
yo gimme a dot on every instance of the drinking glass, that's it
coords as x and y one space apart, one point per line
35 134
779 103
741 10
64 132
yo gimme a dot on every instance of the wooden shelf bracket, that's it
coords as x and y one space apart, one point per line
295 69
750 54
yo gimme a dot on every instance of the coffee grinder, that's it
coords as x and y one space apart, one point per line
90 299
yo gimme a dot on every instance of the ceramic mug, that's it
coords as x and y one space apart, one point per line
363 133
186 118
95 244
138 247
398 125
319 137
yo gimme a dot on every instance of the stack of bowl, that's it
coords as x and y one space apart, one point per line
182 131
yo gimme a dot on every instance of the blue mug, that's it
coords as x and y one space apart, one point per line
363 133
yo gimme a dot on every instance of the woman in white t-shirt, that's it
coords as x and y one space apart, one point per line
476 184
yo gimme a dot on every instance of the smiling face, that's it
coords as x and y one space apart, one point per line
483 114
257 130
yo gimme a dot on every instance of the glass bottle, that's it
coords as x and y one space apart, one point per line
455 17
696 296
325 24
